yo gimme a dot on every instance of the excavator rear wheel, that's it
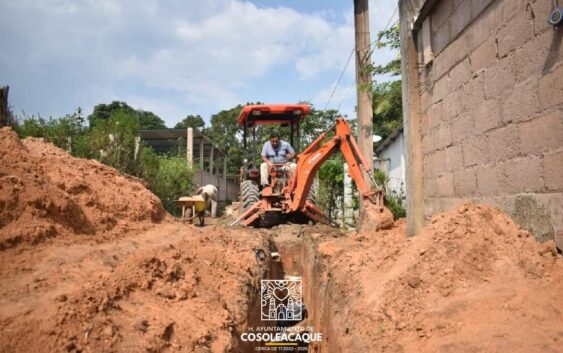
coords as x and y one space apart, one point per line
249 195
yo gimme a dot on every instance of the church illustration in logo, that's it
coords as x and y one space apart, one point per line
281 300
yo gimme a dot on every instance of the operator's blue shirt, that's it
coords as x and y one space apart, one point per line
277 156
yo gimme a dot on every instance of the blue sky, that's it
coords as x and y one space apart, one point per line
179 57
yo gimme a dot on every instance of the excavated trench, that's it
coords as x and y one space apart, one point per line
298 258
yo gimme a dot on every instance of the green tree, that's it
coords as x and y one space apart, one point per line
194 121
330 192
387 96
225 133
149 121
169 177
146 120
102 112
114 141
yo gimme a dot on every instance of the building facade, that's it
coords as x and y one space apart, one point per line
391 160
483 98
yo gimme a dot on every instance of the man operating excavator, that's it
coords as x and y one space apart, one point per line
275 151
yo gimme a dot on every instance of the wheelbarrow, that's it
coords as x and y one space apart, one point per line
192 207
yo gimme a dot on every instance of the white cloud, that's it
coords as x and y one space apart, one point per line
172 57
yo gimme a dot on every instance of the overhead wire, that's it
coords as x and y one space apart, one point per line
387 26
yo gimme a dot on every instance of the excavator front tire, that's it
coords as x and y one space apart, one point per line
249 195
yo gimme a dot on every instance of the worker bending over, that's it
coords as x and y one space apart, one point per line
275 151
210 194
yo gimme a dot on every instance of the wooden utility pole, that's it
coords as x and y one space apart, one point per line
363 82
5 115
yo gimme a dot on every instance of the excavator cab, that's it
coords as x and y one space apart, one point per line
250 119
253 116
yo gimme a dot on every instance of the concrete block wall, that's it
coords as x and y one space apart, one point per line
491 111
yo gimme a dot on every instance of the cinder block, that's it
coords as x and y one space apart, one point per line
441 88
516 33
531 59
523 175
453 158
430 187
434 163
541 10
498 79
542 134
458 3
474 151
505 10
425 144
522 103
460 74
488 180
472 93
443 136
502 144
477 6
483 27
465 182
441 13
461 18
434 115
441 37
426 100
449 57
551 87
453 105
553 171
445 184
484 56
487 116
463 127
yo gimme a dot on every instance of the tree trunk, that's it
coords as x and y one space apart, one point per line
5 115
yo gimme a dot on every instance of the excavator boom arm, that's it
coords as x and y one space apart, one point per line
311 159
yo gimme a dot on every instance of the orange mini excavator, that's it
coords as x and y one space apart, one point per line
286 198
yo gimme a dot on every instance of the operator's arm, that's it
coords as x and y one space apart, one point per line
290 152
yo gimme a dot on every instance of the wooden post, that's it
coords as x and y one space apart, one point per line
211 161
201 156
363 83
5 115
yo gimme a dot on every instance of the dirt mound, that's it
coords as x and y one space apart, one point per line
472 281
174 288
45 192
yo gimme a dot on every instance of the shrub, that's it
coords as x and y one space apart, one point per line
394 199
169 177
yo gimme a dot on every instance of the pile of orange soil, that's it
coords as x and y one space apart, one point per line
174 288
45 192
472 281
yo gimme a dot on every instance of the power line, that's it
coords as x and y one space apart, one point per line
350 57
339 78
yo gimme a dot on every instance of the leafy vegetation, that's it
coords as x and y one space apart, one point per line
394 199
193 121
146 120
113 141
168 176
387 95
330 192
